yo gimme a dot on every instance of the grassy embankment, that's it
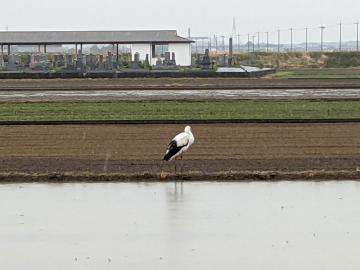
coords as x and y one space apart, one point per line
298 60
172 110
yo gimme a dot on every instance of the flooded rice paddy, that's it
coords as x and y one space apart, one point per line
302 225
113 95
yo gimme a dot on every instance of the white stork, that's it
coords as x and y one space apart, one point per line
179 144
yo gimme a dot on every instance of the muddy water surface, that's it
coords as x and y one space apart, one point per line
180 226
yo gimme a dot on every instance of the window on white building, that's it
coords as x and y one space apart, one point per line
158 50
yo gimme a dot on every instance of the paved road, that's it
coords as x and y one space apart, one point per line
118 95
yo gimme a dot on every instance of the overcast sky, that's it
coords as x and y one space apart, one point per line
204 17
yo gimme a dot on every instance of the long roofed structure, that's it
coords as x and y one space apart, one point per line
89 37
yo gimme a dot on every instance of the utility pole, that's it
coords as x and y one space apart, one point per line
291 39
117 53
216 43
248 43
340 36
322 37
253 43
238 41
258 39
2 54
306 39
267 41
279 32
357 36
223 43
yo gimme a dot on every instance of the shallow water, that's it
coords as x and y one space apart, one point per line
180 226
179 94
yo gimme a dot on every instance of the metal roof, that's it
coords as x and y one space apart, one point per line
90 37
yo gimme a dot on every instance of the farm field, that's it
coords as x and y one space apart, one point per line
174 110
233 151
62 151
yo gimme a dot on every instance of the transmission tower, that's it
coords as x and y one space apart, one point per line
234 32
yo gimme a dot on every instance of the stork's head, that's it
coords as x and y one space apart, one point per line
187 129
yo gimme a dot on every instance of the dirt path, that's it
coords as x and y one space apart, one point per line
175 84
129 149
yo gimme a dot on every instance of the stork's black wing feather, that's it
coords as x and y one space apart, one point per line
173 149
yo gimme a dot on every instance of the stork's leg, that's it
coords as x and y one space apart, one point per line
175 165
181 164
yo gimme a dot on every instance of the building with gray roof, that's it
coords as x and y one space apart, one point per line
150 45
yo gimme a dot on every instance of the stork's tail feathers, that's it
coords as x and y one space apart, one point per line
167 156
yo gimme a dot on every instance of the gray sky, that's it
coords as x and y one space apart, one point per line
204 17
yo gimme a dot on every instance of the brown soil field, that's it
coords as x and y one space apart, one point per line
220 152
175 83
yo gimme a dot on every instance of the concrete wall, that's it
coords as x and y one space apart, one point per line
182 53
142 49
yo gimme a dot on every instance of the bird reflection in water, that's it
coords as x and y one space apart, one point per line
176 193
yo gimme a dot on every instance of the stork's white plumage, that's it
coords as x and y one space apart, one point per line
179 144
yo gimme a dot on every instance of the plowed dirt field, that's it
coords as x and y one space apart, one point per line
219 148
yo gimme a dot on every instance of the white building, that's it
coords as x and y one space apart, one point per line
152 43
157 50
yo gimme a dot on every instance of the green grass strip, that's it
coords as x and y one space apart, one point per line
172 110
